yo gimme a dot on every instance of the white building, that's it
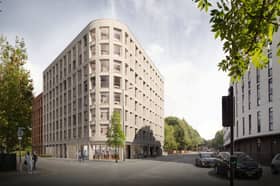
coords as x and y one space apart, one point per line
104 69
257 108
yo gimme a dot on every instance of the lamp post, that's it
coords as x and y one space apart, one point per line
20 134
123 115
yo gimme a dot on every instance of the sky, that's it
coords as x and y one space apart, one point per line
175 34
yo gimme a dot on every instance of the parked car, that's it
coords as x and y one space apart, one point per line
246 167
275 164
205 159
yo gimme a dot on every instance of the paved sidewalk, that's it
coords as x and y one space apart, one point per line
163 171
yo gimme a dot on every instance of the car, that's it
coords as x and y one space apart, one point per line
275 164
205 159
246 167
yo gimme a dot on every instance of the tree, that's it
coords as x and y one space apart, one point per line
246 28
169 139
179 135
15 94
218 141
115 135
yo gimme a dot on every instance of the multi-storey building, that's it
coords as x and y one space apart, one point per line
37 124
104 69
257 104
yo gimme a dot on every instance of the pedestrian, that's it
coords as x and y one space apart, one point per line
35 158
79 156
29 162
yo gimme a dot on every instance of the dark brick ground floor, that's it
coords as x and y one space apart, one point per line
263 148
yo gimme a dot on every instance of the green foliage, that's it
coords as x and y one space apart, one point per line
15 94
179 135
115 135
217 141
169 139
246 27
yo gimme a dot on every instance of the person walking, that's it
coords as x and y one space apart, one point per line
29 162
79 156
35 158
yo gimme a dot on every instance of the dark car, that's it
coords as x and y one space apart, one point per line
275 164
246 167
205 159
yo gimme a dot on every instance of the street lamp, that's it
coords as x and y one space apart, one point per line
123 115
20 134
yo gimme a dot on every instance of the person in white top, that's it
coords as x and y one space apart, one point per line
29 162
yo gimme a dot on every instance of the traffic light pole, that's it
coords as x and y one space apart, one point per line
232 139
231 154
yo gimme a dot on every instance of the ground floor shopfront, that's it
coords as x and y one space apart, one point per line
101 150
262 148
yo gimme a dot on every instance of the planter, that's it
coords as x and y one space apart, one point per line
8 162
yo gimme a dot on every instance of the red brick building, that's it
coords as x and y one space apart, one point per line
37 124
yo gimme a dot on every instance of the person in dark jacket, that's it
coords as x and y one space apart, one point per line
35 158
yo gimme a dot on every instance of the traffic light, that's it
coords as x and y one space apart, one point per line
228 109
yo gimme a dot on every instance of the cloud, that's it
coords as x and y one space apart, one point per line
155 52
175 35
36 73
195 94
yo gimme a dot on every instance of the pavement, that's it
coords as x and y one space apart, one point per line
163 171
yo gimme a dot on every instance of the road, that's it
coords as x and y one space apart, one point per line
163 171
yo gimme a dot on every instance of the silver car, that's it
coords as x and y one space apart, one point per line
275 164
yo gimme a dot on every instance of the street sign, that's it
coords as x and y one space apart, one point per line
20 132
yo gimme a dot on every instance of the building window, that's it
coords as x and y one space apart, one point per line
85 40
93 100
104 114
93 82
104 80
117 34
249 99
270 89
117 66
85 86
117 98
270 119
92 128
126 54
242 89
250 124
258 95
92 112
93 50
126 38
269 62
236 128
104 98
104 47
93 35
259 121
117 50
104 32
103 130
117 82
104 65
242 103
243 126
92 66
258 75
236 99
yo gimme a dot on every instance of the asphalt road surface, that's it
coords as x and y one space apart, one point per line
162 171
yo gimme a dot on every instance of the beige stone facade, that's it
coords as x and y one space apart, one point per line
104 69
